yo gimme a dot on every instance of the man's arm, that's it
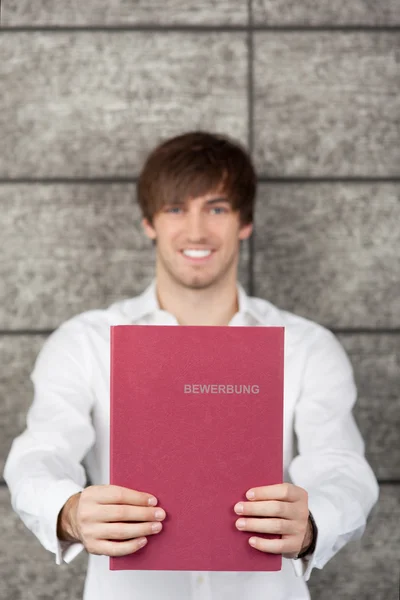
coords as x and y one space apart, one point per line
43 468
331 466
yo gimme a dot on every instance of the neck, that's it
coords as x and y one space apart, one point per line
215 305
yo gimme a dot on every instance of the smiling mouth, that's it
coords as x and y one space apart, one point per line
198 258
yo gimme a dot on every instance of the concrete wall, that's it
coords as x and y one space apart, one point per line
313 91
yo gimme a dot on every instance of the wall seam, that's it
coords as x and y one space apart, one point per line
187 28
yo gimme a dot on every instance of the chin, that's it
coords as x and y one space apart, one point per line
199 282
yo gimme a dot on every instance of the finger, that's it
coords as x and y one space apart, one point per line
108 548
280 491
269 508
126 531
119 512
114 494
277 546
278 526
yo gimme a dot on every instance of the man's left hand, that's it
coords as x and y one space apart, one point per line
283 509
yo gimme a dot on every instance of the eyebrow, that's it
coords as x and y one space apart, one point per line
217 200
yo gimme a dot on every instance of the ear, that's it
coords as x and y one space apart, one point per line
246 231
149 229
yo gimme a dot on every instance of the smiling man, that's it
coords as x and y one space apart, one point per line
197 210
196 192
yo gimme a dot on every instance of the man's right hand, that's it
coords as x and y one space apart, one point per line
101 518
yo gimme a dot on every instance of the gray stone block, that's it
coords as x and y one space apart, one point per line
327 104
375 359
92 104
71 248
329 252
27 570
324 12
376 365
366 569
124 12
369 568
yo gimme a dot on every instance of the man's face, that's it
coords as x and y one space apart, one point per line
204 223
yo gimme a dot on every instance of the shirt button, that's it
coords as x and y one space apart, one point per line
200 579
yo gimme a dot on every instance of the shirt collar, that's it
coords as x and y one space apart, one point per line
147 303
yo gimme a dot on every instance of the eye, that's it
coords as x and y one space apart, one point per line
172 208
220 208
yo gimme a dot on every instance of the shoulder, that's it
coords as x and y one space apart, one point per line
97 319
74 334
313 344
323 359
298 329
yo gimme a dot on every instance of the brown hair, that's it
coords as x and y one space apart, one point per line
194 164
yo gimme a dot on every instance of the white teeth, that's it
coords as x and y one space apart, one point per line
197 253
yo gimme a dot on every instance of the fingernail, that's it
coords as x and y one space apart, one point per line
240 523
159 514
152 501
142 542
156 527
239 508
252 541
250 494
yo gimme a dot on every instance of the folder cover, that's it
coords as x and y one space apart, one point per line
196 420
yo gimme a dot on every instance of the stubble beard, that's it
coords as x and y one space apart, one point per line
197 281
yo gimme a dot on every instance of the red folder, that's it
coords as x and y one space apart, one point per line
197 420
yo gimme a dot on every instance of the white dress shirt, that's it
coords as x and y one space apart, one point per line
68 426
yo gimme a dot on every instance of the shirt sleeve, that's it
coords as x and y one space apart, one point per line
330 465
44 466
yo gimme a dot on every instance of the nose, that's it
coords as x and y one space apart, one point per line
195 226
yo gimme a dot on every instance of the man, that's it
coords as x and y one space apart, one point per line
196 192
